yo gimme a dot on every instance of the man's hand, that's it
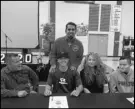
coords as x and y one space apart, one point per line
22 93
73 68
52 69
47 92
75 93
86 90
31 88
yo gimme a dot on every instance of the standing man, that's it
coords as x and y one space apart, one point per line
68 44
122 80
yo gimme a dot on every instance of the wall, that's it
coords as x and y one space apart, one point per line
127 25
127 21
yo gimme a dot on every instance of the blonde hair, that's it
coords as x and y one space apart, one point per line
99 68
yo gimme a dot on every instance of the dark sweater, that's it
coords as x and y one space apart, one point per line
12 82
75 50
71 78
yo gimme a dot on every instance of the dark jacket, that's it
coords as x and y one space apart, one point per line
12 82
75 50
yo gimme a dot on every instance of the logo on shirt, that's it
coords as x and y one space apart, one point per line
63 81
124 83
75 48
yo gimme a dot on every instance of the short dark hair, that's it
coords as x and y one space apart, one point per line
127 58
71 23
9 56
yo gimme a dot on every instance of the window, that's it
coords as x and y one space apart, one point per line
99 17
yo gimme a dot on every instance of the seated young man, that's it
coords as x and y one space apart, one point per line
122 80
17 80
64 80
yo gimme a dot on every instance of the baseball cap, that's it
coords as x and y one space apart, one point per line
62 55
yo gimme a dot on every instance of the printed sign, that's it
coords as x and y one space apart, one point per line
116 18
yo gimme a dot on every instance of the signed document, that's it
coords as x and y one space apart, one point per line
58 102
131 100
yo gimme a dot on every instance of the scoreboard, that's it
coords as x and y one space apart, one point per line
27 58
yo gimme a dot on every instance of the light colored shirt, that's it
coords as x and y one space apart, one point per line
121 82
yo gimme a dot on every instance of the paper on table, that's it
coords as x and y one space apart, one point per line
58 102
131 100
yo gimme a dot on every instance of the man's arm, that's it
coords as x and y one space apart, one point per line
48 87
79 85
112 84
50 80
5 92
53 54
86 90
81 66
34 78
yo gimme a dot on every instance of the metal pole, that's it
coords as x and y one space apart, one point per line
6 44
6 37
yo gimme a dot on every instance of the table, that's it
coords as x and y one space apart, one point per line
109 100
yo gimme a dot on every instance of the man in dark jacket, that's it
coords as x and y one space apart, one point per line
17 80
68 44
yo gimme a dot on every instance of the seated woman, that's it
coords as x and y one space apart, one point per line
93 74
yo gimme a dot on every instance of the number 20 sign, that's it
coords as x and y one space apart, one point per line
23 58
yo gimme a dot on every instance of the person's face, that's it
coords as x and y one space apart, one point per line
15 63
63 62
71 31
91 61
124 65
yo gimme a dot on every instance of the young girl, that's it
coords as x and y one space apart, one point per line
93 74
